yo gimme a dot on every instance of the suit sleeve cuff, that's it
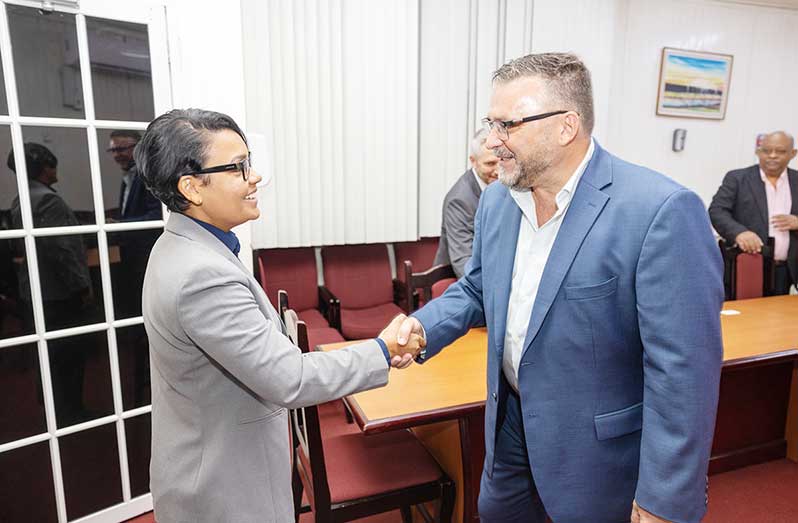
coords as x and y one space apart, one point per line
384 348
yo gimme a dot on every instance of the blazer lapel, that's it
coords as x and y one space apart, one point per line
758 190
509 222
586 205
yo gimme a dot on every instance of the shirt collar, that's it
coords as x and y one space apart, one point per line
229 239
782 176
482 184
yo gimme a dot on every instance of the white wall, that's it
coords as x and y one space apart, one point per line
207 67
764 43
622 40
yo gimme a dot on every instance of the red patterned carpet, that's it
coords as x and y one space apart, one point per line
766 493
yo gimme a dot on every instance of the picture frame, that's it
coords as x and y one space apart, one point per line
694 84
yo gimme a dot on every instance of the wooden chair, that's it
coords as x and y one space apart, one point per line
358 278
294 270
348 475
746 275
420 287
317 334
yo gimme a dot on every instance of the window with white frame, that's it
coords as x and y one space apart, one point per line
78 86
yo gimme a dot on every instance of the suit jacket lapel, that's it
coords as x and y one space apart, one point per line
473 184
509 222
758 190
792 177
586 205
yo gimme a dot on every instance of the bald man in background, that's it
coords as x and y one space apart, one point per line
761 201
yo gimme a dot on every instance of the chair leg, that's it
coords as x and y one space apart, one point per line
407 515
447 502
297 488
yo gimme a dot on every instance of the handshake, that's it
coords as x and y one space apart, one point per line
404 337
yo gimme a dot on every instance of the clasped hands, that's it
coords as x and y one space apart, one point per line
404 338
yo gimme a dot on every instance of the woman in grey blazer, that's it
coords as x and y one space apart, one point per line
223 371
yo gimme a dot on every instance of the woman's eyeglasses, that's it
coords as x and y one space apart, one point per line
243 166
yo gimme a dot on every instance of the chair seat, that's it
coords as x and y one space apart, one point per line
321 336
358 324
360 466
313 318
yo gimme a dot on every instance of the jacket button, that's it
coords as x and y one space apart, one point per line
494 396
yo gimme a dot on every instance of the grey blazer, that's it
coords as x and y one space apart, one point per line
741 205
223 375
457 223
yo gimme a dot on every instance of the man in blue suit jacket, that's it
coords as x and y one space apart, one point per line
601 287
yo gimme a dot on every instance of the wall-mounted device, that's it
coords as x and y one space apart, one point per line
678 139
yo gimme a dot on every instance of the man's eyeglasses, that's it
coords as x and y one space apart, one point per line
243 166
501 127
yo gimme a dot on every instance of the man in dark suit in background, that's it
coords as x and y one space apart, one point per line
460 206
136 203
760 201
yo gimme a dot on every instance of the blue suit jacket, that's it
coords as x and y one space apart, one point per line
620 370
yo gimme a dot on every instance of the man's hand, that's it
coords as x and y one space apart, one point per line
640 515
749 242
785 222
402 353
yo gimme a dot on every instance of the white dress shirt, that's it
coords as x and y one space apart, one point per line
482 184
531 254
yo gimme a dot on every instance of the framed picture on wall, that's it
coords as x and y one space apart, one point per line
693 84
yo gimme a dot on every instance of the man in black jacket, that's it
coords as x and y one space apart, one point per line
761 201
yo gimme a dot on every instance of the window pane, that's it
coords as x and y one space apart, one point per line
3 99
90 465
81 378
121 75
134 366
46 63
8 181
124 193
16 312
27 494
69 272
138 432
21 402
57 161
129 252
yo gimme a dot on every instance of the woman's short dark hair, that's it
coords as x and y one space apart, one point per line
174 145
37 157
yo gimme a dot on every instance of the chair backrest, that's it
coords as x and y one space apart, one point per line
420 253
748 275
293 270
429 284
358 275
306 429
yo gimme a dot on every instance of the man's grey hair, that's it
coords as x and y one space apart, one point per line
782 133
567 80
477 141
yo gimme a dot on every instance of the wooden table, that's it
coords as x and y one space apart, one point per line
444 399
756 420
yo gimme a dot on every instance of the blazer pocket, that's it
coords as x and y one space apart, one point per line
619 422
592 291
257 418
